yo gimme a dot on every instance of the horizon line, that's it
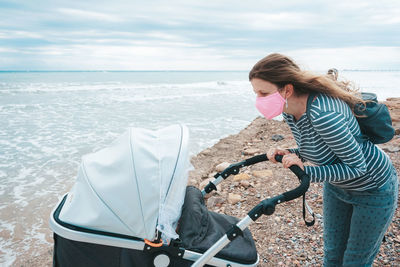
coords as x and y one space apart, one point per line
26 71
119 70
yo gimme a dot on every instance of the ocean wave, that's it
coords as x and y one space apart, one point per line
12 88
173 96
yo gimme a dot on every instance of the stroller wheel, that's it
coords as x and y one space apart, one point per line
161 260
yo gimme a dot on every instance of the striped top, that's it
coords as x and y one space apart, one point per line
328 142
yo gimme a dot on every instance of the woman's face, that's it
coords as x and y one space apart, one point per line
263 88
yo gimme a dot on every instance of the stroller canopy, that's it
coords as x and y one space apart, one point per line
134 186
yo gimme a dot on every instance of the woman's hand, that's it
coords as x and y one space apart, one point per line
276 151
292 159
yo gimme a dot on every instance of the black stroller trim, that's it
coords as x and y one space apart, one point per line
71 235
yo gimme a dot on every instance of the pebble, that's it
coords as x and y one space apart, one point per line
251 151
234 198
215 201
222 166
296 263
262 173
245 183
241 176
277 137
394 149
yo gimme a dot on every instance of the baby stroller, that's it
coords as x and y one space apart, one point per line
130 207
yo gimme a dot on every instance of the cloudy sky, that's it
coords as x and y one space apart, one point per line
197 35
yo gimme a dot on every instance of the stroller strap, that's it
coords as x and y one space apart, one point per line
310 211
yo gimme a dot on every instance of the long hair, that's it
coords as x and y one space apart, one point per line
281 70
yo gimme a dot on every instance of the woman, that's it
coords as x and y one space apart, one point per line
360 182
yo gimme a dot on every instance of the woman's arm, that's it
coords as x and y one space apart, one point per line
333 129
297 152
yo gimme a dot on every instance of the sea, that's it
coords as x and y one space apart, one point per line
49 120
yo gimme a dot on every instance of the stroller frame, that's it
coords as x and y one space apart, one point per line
108 239
266 207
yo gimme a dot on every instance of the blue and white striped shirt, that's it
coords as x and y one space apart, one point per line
328 142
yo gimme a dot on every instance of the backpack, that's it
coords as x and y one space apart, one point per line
373 118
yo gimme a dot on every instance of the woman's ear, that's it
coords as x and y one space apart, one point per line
289 90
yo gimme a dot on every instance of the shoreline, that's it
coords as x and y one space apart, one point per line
283 238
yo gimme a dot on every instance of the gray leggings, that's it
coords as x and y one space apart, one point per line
355 223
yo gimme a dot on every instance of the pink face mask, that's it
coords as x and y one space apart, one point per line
270 106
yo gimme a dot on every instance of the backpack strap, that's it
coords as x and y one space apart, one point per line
310 99
306 207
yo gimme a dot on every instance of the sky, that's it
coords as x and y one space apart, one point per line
197 35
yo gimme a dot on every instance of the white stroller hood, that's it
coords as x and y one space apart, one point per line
134 186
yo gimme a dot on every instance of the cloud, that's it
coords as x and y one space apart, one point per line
278 21
6 34
361 58
89 15
136 57
125 34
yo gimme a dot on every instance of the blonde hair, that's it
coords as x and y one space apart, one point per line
281 70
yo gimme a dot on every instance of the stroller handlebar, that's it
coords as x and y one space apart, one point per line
304 181
256 159
234 169
266 206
